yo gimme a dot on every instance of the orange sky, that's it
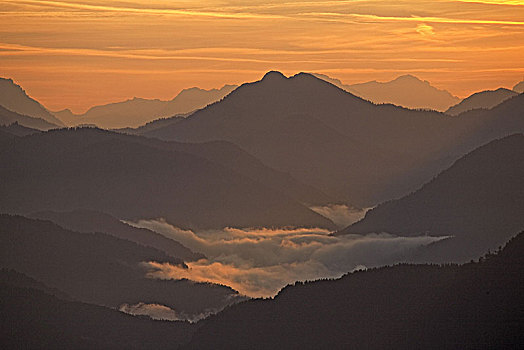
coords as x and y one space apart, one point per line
76 54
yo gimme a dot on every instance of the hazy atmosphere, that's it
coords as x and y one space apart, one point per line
77 54
274 174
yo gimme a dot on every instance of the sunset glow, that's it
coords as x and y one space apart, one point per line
76 54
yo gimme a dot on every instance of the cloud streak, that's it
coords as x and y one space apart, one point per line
496 2
352 17
145 11
90 46
259 262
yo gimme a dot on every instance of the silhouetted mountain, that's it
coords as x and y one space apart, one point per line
350 149
473 306
152 125
33 317
15 99
66 116
233 157
406 91
336 82
92 221
134 178
484 99
16 279
130 113
479 201
18 130
519 87
195 98
100 269
8 117
138 111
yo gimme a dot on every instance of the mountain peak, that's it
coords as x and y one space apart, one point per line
7 80
409 77
16 99
305 75
273 75
10 83
481 100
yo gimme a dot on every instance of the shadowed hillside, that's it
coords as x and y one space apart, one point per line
479 200
348 148
92 221
15 99
100 269
484 99
134 178
34 317
16 129
473 306
8 117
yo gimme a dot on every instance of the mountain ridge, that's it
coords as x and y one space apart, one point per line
8 117
405 90
302 125
479 195
14 98
98 268
481 100
114 173
136 111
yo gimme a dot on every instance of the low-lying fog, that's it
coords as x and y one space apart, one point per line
341 214
259 262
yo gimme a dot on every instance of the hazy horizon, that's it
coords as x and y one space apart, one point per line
85 110
77 54
232 174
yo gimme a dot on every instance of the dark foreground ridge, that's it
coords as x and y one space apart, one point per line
34 318
478 305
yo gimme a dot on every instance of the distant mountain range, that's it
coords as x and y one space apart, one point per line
15 99
406 91
349 148
256 159
484 99
8 117
138 111
479 201
212 185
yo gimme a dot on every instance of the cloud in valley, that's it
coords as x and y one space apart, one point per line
161 312
341 214
155 311
259 262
